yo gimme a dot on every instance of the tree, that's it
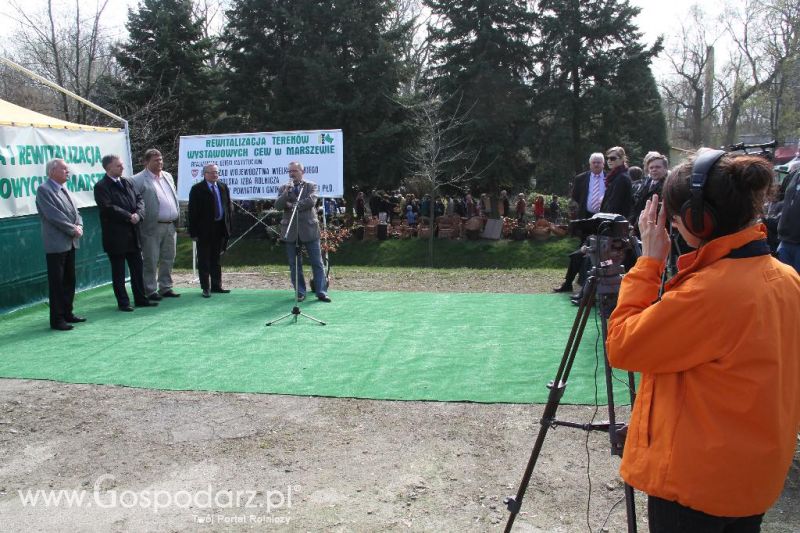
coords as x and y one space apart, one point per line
441 157
482 58
766 35
164 72
311 64
67 48
593 90
687 91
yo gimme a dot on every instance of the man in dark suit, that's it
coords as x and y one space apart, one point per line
210 226
587 191
121 211
62 228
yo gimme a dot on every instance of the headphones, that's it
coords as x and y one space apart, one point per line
697 215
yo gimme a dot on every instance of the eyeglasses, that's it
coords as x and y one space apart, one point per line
612 158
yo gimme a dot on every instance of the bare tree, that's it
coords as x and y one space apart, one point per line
441 157
766 36
72 51
416 49
686 90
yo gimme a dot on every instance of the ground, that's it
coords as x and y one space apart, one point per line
197 461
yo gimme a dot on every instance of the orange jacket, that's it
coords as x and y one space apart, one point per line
715 420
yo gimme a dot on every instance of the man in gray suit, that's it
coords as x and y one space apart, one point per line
157 189
304 194
62 228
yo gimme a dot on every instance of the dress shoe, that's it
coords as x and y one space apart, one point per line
155 297
126 308
301 297
170 294
206 293
74 319
62 326
221 290
146 303
323 298
563 288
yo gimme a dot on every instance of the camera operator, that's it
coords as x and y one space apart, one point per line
714 426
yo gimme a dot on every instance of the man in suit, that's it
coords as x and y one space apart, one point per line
121 211
304 231
210 226
62 228
587 191
157 189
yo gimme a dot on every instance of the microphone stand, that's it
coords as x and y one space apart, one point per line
295 312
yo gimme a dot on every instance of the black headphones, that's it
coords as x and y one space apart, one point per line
697 215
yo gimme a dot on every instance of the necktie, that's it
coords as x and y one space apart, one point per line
595 198
217 203
69 199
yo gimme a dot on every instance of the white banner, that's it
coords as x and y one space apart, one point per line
255 165
24 152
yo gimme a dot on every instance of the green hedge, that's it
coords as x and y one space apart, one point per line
551 253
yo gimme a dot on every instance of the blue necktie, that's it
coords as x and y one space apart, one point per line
217 203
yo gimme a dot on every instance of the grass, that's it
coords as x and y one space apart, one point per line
411 253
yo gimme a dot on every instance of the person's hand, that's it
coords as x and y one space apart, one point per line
78 231
134 218
653 229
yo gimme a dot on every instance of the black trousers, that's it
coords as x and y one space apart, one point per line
134 259
61 285
665 516
208 258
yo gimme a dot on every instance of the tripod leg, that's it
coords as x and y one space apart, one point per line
557 388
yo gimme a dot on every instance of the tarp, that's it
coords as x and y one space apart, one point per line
28 140
255 165
14 115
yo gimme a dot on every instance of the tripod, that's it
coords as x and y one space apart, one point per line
601 286
295 312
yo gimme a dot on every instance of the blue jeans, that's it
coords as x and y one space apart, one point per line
315 256
789 253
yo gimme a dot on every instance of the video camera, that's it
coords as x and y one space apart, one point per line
765 150
602 224
607 240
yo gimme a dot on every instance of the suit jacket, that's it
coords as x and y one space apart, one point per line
117 204
306 218
146 187
618 198
59 217
580 193
201 211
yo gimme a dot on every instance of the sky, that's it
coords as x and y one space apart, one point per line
656 18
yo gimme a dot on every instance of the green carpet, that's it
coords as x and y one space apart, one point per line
383 345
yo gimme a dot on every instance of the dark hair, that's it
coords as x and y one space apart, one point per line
149 154
635 173
107 159
736 188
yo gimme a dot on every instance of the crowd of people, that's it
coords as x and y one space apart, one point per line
714 426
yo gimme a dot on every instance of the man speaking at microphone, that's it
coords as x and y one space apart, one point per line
303 194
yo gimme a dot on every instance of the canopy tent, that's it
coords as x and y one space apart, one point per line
27 141
14 115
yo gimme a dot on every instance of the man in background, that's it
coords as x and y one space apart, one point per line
587 191
157 189
121 211
304 230
210 226
62 228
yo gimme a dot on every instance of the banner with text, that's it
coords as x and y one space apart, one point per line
24 152
255 165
